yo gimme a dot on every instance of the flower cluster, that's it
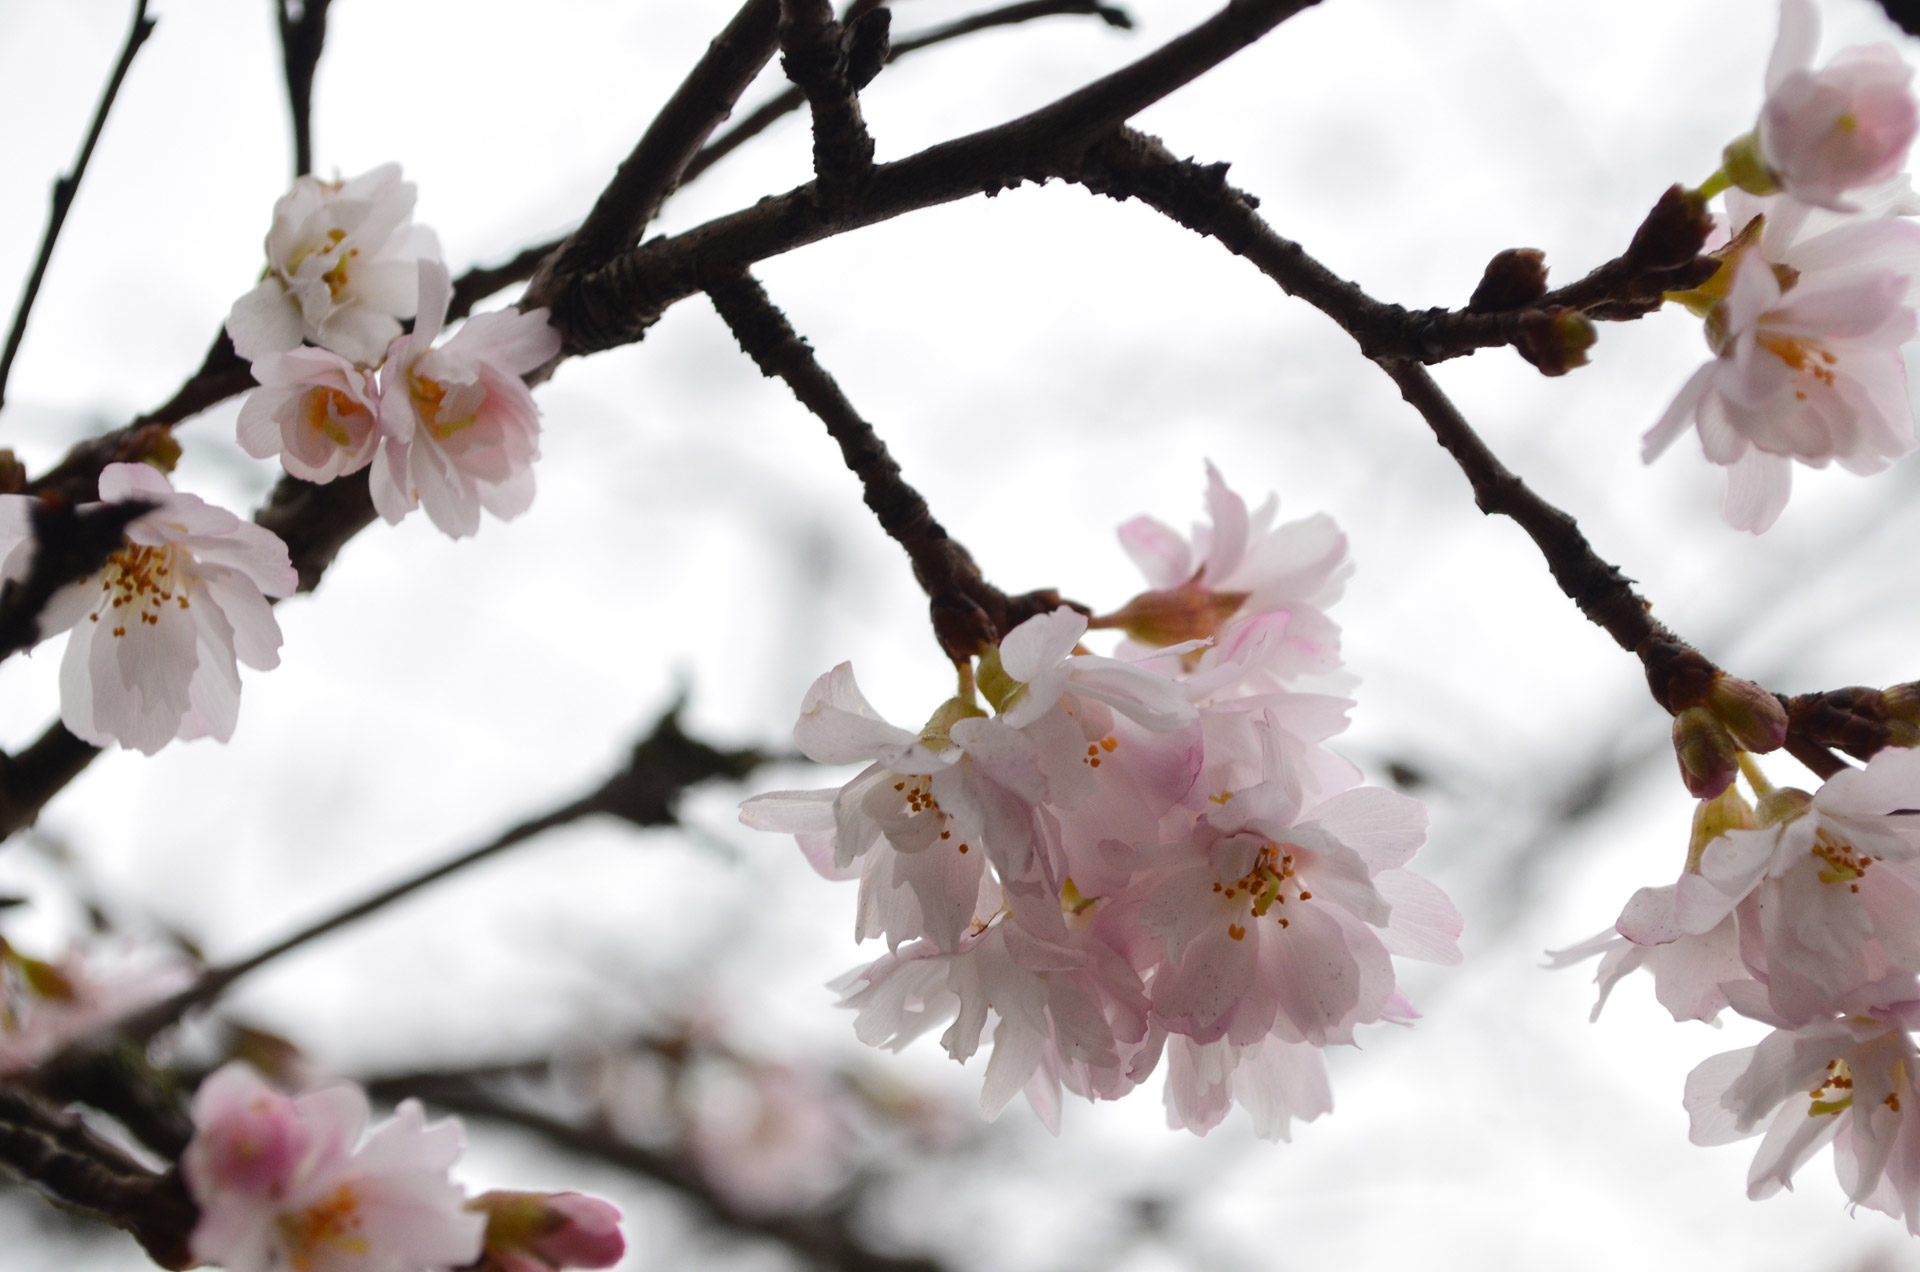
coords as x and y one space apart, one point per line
158 629
300 1182
452 428
1801 911
1815 293
1134 854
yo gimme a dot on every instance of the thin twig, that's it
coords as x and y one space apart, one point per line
617 304
652 172
67 185
303 33
68 545
968 612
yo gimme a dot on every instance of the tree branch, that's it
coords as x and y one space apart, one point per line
616 304
815 50
57 1154
303 33
65 187
68 545
652 172
968 612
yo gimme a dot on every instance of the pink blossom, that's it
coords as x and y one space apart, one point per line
315 410
1808 369
547 1232
1236 566
157 631
1848 1078
771 1138
44 1006
340 269
1274 1080
293 1182
1845 126
459 429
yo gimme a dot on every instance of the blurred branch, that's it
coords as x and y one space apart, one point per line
1904 15
303 33
645 792
67 185
57 1154
651 173
31 777
826 1238
968 612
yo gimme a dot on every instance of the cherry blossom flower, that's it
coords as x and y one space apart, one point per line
45 1005
299 1182
459 430
1845 1081
1132 853
1238 566
340 269
1807 363
158 630
547 1232
1845 126
315 410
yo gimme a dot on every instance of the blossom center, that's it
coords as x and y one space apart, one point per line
332 1223
430 397
327 409
141 581
1835 1093
1845 863
1263 887
1807 358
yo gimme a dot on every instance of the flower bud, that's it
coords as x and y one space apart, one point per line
1175 614
545 1232
1753 716
1555 340
1513 279
1706 752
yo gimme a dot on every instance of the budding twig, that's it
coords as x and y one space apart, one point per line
815 51
67 185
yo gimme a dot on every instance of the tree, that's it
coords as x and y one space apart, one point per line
995 487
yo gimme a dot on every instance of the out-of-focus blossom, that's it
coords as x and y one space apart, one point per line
1132 853
340 269
547 1232
459 429
1823 133
157 632
299 1183
770 1138
315 410
45 1005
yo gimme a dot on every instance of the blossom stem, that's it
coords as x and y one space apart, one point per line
1713 185
1756 778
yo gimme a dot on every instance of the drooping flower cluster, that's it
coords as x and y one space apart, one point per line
300 1182
1801 911
157 632
1815 293
1136 854
452 429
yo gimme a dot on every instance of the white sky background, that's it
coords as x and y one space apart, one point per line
1045 365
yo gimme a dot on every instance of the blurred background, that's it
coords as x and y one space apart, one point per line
643 1014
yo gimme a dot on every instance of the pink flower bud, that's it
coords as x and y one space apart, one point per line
1706 752
538 1232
